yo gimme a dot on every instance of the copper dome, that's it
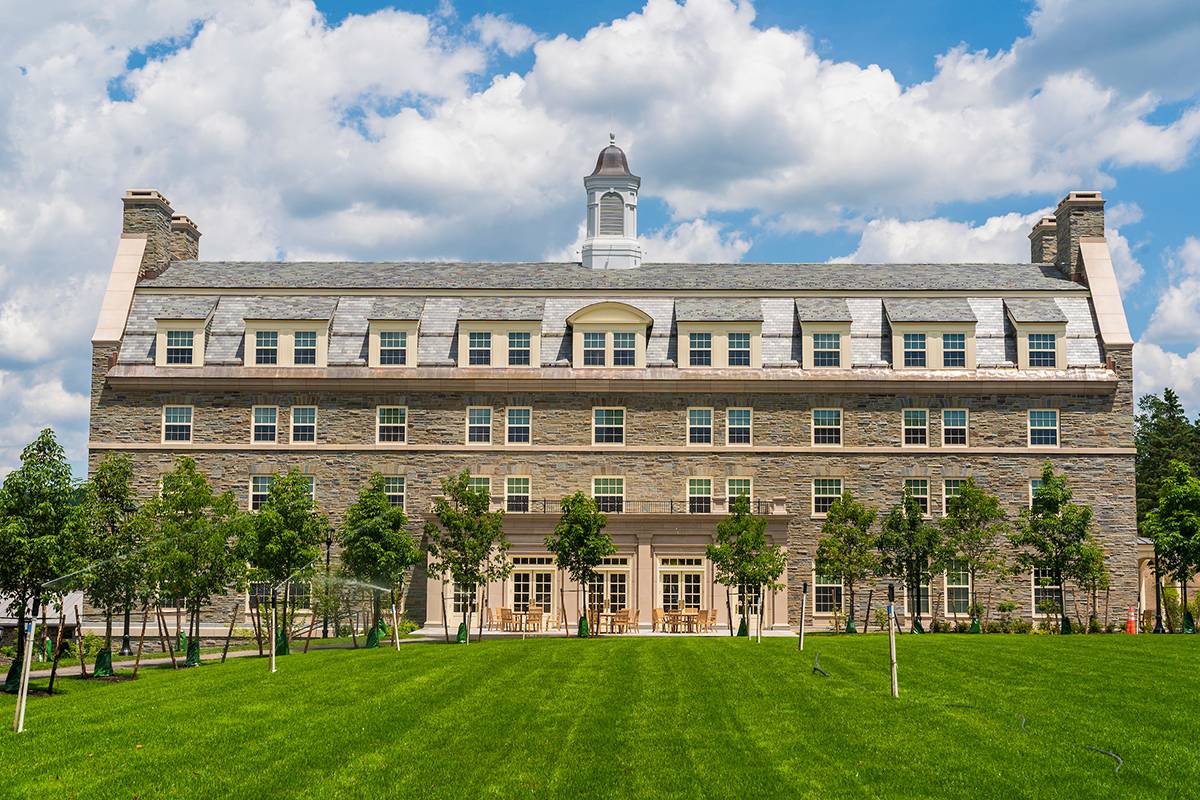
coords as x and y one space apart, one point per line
611 161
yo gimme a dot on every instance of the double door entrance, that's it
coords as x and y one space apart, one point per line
680 583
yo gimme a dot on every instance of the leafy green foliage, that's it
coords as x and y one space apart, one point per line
1162 434
972 531
910 549
579 542
742 555
1174 523
377 547
119 564
848 548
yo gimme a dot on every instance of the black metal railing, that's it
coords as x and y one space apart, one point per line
625 505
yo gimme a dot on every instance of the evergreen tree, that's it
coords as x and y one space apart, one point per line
1175 526
848 548
1162 434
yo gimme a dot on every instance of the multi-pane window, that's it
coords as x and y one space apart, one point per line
391 424
260 487
700 349
304 423
266 347
824 492
958 587
827 594
393 487
923 594
177 423
479 425
180 347
1043 350
736 487
827 349
532 587
1035 485
304 347
266 427
954 349
611 586
516 494
699 495
1043 428
739 349
464 599
608 426
518 425
916 427
748 600
624 349
518 348
918 489
593 349
827 426
479 348
954 427
480 484
609 493
393 348
738 423
914 349
950 489
1045 589
700 425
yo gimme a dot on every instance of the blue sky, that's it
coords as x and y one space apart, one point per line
767 131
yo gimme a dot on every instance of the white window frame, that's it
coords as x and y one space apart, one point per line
966 350
729 495
509 349
261 347
841 427
904 427
947 586
191 423
1033 489
403 349
966 426
693 350
729 428
471 334
946 492
402 425
816 513
749 348
509 493
467 425
509 426
292 429
905 349
623 426
698 480
621 480
403 504
270 479
316 348
1054 337
254 425
711 421
928 499
166 326
190 347
485 481
1057 428
375 331
1034 585
838 603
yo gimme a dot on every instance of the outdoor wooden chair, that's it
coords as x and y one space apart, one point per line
492 620
658 620
712 619
702 620
628 621
691 619
506 619
533 621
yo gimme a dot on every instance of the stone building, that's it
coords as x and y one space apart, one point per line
661 389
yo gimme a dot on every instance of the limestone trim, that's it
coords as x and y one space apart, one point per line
498 332
193 326
407 327
808 355
719 347
603 450
118 295
286 331
330 291
1106 293
933 331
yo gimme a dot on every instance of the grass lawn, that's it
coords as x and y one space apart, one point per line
629 717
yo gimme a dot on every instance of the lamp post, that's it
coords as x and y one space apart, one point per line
125 650
1158 623
325 619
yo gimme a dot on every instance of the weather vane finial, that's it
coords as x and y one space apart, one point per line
612 138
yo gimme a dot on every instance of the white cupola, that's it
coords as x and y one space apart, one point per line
612 189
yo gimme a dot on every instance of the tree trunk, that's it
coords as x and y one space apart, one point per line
58 637
482 610
108 628
79 643
729 608
287 590
165 633
1062 602
137 660
21 636
445 619
562 604
353 627
229 635
1183 606
761 605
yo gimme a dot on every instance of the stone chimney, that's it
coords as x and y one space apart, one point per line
185 239
1079 215
148 213
1043 242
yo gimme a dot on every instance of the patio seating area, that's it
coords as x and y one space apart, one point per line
536 620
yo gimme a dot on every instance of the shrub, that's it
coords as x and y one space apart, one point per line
1171 612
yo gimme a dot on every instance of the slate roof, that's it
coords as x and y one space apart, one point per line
537 276
929 309
501 308
1034 310
396 308
822 309
291 308
718 309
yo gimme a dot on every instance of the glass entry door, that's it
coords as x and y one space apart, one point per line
533 588
681 590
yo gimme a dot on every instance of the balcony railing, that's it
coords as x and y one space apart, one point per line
625 505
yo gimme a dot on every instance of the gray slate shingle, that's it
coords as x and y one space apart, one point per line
718 309
928 309
502 308
822 309
1034 309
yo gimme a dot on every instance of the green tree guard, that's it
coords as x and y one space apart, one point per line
104 667
975 626
282 647
12 682
583 628
373 636
743 628
193 654
48 649
461 638
181 642
1189 624
1065 628
850 627
917 626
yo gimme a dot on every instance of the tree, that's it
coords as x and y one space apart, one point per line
580 543
466 543
972 530
284 539
193 557
1090 574
1050 535
113 547
40 534
1162 434
743 557
377 547
848 549
1174 525
911 550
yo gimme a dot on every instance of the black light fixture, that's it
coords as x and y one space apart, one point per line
325 617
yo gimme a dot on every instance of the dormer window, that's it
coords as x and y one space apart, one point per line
1041 329
304 348
700 350
179 343
266 347
500 332
954 350
824 331
914 349
827 349
739 349
286 343
479 352
1043 350
931 333
393 348
608 334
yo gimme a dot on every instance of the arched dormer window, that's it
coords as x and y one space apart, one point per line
612 215
609 334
